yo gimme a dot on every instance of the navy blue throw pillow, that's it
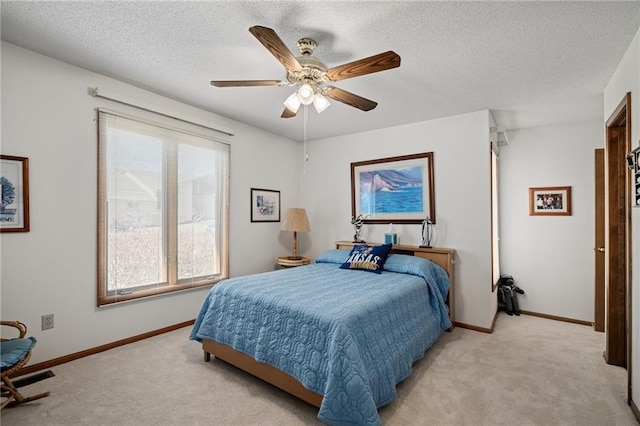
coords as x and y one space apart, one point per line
367 258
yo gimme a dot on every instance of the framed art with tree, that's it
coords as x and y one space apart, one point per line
14 184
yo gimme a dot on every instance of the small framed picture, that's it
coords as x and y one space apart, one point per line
14 184
265 205
550 201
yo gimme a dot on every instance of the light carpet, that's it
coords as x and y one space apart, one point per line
530 371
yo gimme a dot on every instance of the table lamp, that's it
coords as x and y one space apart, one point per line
296 220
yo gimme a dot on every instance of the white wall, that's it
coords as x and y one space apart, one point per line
550 257
627 79
462 186
48 116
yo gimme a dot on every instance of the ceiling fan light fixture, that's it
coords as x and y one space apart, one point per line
305 94
293 102
320 103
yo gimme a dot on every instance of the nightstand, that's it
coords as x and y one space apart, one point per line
285 262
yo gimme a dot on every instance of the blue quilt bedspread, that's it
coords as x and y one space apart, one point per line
348 335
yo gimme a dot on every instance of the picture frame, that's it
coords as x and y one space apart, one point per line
265 205
14 184
635 157
394 189
550 201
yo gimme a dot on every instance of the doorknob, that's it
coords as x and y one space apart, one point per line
601 249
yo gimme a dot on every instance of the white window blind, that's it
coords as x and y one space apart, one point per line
162 209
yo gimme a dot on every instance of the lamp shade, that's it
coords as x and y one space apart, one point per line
296 220
305 93
320 102
292 102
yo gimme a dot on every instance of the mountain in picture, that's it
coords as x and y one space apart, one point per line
390 180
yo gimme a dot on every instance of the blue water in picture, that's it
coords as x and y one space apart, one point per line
404 200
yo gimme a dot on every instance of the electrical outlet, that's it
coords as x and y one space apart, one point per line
47 322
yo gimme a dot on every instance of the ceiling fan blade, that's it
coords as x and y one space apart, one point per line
276 46
380 62
243 83
349 98
287 113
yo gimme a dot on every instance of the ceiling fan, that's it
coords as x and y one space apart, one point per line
312 76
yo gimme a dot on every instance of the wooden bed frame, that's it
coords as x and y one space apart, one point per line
439 256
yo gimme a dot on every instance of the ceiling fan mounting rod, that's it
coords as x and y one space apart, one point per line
306 46
313 70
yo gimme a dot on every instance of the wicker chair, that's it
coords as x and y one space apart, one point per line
15 353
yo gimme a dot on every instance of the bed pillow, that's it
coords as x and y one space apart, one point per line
367 258
333 256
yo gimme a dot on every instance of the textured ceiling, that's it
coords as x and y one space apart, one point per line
531 63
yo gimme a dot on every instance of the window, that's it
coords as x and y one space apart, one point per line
495 231
162 209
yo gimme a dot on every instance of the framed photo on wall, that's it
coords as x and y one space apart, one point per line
265 205
550 201
394 189
14 181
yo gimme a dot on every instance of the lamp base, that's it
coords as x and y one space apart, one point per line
294 257
425 247
359 241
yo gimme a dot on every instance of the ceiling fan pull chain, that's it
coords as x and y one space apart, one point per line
304 140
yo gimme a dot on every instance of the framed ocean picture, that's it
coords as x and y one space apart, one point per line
394 189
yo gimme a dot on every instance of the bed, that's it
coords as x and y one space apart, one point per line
338 339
